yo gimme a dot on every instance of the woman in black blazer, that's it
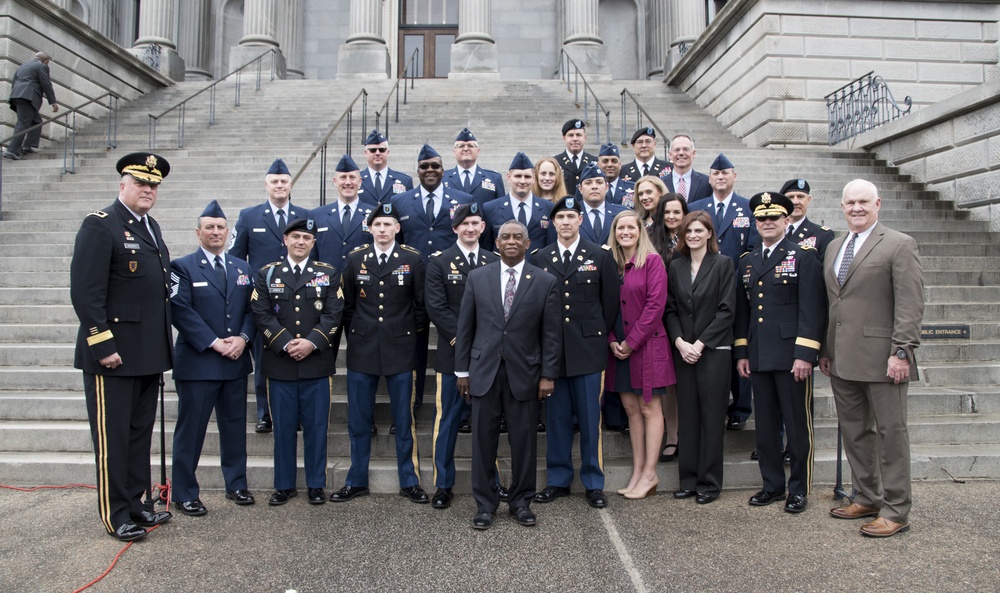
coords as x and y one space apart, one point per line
700 313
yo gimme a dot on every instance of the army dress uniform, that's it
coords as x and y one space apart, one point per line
810 234
285 308
383 312
781 317
120 289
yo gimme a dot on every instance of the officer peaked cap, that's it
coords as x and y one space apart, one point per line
144 166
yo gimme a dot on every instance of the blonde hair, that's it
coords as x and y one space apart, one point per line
658 184
643 248
559 189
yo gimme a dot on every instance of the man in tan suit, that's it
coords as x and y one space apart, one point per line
875 289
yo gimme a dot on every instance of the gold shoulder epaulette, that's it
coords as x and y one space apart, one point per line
605 247
320 264
806 247
361 248
745 253
272 264
99 214
825 228
408 248
536 251
435 254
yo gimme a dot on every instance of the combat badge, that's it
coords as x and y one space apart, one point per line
133 266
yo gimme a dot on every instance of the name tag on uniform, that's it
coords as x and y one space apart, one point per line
455 276
199 284
260 230
322 229
364 278
402 218
132 246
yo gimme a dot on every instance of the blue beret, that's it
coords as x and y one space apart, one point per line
464 211
721 163
383 209
573 124
647 131
426 152
278 168
346 164
213 210
795 185
521 161
307 225
567 203
592 170
465 136
375 137
609 149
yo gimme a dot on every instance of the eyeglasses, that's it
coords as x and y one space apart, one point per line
431 166
772 218
378 149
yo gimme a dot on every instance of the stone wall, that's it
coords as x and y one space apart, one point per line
84 64
763 67
953 147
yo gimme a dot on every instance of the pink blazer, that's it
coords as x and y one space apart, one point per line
643 297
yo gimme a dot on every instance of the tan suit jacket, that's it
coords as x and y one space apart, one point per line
878 309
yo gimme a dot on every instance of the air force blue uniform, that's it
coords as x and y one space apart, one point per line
333 240
501 210
485 186
393 182
428 236
624 194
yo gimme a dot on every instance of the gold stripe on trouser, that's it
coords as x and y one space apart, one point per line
103 498
437 429
600 423
809 425
415 455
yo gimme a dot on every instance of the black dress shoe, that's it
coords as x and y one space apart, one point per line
348 492
151 518
786 458
317 496
483 521
665 457
280 497
541 426
754 455
705 499
191 508
796 503
596 499
442 498
392 428
736 423
503 424
502 492
263 426
128 532
374 430
415 494
240 497
464 427
551 493
764 498
27 150
524 516
684 493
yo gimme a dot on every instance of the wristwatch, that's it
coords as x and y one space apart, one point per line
901 354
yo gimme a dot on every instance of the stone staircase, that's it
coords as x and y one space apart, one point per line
44 435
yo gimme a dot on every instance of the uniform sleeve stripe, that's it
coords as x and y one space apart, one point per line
104 336
741 342
807 343
276 336
322 334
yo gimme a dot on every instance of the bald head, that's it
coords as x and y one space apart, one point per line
42 57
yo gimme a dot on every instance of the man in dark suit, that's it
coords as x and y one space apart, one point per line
384 311
645 163
801 230
297 306
210 307
780 321
736 235
482 184
875 288
259 238
507 355
447 275
31 82
683 179
379 183
619 191
574 158
590 286
119 285
520 204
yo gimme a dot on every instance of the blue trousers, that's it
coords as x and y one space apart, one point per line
259 380
305 402
360 414
195 401
578 396
449 412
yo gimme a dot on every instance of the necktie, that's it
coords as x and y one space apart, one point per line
345 220
145 225
645 169
430 207
378 183
468 181
682 187
522 217
846 262
383 259
789 231
576 161
567 259
767 253
720 213
220 271
472 260
598 227
297 271
508 294
281 221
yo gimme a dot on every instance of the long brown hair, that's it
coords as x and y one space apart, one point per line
704 218
658 233
660 187
559 189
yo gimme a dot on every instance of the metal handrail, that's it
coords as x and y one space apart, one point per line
69 138
321 148
409 73
640 111
599 107
211 109
861 105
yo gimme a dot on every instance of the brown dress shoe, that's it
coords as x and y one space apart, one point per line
883 527
853 511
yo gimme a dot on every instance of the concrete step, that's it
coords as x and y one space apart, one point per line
951 373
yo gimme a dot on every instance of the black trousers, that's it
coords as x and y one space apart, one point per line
121 412
702 397
778 395
27 116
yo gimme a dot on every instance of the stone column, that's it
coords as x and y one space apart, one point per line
100 17
155 45
658 35
290 36
193 38
63 4
260 26
474 53
364 56
582 43
687 21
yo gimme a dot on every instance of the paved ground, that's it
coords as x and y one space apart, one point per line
51 541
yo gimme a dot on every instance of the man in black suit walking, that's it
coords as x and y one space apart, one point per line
507 354
31 81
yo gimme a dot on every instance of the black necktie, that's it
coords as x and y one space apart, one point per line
567 259
148 229
383 258
468 181
297 271
791 229
645 170
430 207
345 220
281 221
767 253
598 227
472 260
220 271
576 161
378 184
720 212
522 217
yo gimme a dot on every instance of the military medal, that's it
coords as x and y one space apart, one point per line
318 305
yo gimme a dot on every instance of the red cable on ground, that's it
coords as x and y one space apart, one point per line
113 563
